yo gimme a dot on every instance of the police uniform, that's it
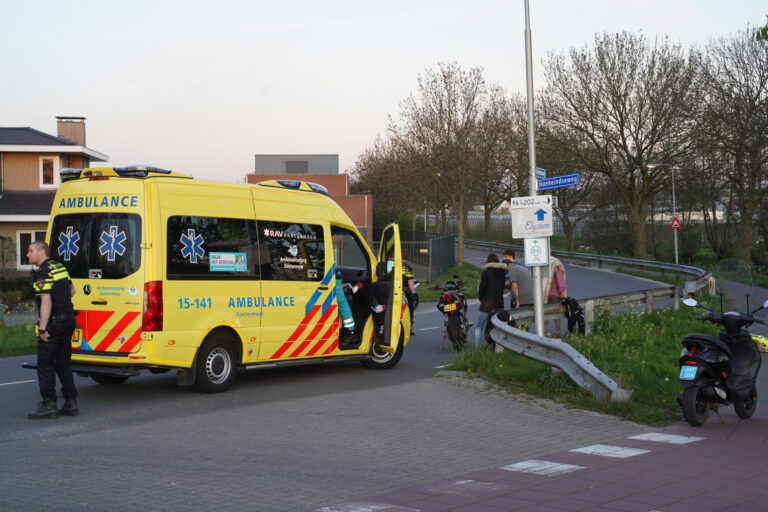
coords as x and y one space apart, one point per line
54 355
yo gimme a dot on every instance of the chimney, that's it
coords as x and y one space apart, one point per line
72 129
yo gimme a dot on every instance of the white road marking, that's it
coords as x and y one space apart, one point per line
542 467
667 438
610 451
428 328
17 382
366 507
463 487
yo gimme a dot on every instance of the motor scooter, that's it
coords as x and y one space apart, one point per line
720 371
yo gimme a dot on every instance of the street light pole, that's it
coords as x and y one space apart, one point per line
674 206
674 211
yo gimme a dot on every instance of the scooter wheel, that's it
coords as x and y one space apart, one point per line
695 406
745 408
454 333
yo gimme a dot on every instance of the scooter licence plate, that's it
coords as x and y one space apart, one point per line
449 307
687 373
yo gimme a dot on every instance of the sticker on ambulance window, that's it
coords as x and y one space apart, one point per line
192 246
312 273
68 243
112 243
94 273
228 261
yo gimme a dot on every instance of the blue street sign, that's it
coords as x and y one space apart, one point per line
541 173
559 181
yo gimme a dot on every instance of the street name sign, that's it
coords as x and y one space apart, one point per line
541 173
530 202
536 252
532 222
568 180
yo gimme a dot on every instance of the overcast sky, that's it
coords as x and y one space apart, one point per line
201 86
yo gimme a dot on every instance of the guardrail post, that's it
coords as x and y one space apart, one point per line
648 302
676 300
589 317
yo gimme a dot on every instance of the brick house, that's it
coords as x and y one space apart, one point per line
30 161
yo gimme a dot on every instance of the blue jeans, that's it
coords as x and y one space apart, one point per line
479 340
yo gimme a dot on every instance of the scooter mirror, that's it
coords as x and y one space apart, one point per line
692 302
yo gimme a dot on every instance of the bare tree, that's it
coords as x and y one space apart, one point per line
626 103
734 121
439 128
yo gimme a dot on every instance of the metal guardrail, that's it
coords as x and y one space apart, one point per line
699 277
560 355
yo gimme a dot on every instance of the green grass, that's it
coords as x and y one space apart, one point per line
470 274
638 351
17 340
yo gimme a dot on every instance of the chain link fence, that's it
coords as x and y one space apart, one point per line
428 254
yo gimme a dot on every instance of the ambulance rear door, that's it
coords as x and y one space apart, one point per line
96 232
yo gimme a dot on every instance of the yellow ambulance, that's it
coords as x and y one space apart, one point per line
203 277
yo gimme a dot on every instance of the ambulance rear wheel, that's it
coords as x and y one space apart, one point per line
383 360
216 365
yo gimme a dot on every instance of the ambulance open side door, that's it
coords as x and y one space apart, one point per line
390 268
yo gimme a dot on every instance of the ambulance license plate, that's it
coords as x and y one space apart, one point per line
450 307
76 335
687 373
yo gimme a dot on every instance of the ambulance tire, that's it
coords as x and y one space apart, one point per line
108 380
383 360
216 365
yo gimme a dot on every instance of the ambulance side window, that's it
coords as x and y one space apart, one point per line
211 248
348 249
296 251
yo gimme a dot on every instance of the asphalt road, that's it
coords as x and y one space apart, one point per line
283 440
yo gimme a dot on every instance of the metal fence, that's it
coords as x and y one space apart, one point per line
428 254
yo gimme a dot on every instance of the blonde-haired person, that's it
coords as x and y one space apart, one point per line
554 286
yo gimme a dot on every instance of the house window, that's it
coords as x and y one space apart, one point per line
23 239
49 171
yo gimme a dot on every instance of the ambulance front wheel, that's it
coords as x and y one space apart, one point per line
381 359
216 365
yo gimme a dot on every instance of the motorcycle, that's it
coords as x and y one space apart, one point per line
720 371
453 305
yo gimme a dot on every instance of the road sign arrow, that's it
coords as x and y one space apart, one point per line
540 214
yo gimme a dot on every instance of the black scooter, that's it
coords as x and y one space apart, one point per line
720 371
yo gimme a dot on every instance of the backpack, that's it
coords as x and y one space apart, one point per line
574 313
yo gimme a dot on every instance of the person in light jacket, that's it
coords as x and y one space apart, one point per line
554 286
491 294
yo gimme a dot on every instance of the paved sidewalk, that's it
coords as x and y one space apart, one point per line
716 467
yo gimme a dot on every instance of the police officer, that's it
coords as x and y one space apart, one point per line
56 322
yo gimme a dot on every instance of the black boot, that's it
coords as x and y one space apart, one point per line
45 410
69 408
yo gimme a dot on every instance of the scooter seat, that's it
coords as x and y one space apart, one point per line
697 339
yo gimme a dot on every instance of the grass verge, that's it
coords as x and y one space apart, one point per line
17 340
636 350
470 274
662 278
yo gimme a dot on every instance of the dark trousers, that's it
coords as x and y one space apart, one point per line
54 358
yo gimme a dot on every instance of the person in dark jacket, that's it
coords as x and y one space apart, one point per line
491 294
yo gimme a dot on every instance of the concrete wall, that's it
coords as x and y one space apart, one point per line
280 164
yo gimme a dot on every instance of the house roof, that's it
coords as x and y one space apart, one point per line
29 140
29 137
26 202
